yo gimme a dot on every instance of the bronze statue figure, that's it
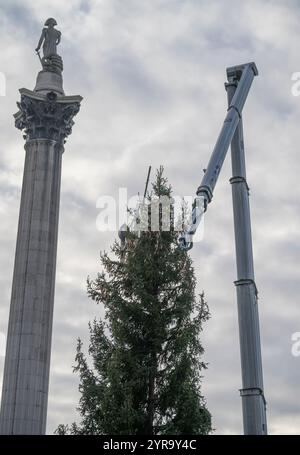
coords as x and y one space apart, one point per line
50 38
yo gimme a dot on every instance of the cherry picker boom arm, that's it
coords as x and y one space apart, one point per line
252 392
245 74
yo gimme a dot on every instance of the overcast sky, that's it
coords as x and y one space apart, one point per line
152 76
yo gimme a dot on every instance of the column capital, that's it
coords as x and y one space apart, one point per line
46 116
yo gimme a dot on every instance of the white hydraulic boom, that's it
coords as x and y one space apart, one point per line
253 401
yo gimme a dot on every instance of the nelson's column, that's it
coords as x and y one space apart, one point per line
46 118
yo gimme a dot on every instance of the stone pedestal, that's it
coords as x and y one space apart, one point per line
48 81
46 120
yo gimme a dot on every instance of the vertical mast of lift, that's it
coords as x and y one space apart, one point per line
253 402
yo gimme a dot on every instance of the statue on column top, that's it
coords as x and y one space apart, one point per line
50 38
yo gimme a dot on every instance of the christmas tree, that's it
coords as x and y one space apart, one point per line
146 355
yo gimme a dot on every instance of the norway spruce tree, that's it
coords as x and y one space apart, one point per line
145 368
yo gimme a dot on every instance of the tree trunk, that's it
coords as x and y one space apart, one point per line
151 395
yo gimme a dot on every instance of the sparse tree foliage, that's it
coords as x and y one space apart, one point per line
146 355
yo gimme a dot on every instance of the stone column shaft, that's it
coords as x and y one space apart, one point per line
46 120
26 374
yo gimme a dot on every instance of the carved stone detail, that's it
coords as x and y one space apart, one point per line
47 119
